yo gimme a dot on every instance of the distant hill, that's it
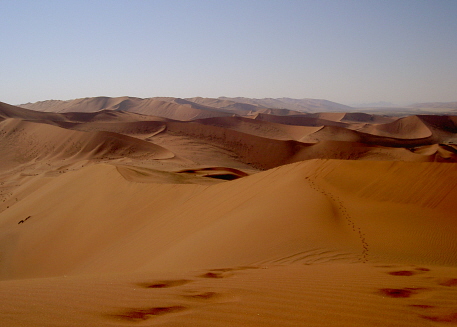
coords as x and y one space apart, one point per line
190 108
201 108
428 108
172 108
374 104
437 105
302 105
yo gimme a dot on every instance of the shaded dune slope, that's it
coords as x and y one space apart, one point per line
247 148
255 150
302 120
361 151
173 110
31 141
105 115
9 111
335 133
404 128
77 105
228 105
443 126
138 129
368 118
261 128
327 142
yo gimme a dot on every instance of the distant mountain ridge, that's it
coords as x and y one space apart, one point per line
196 107
374 104
202 108
438 105
302 105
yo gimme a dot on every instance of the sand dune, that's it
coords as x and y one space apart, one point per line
249 149
261 128
228 254
214 212
332 116
246 140
9 111
334 133
78 105
404 128
368 118
243 142
152 106
243 108
301 120
227 104
180 109
359 151
174 110
319 210
445 124
28 141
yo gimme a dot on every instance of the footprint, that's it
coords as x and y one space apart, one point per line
400 292
245 267
202 295
211 274
402 273
448 282
165 283
219 273
422 306
450 318
147 313
437 314
222 269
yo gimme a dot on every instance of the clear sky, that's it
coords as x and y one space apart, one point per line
345 51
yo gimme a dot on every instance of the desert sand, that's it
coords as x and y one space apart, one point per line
225 212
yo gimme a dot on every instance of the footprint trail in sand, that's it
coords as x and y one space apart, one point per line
344 213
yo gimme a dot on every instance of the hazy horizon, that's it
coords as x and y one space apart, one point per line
380 104
350 52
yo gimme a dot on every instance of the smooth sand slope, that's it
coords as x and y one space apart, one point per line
241 220
115 218
300 244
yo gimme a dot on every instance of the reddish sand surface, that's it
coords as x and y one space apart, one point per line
213 212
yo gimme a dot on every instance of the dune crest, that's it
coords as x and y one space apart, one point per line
410 127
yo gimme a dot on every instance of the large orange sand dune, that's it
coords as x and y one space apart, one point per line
201 218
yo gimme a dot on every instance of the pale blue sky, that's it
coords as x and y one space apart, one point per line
343 51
